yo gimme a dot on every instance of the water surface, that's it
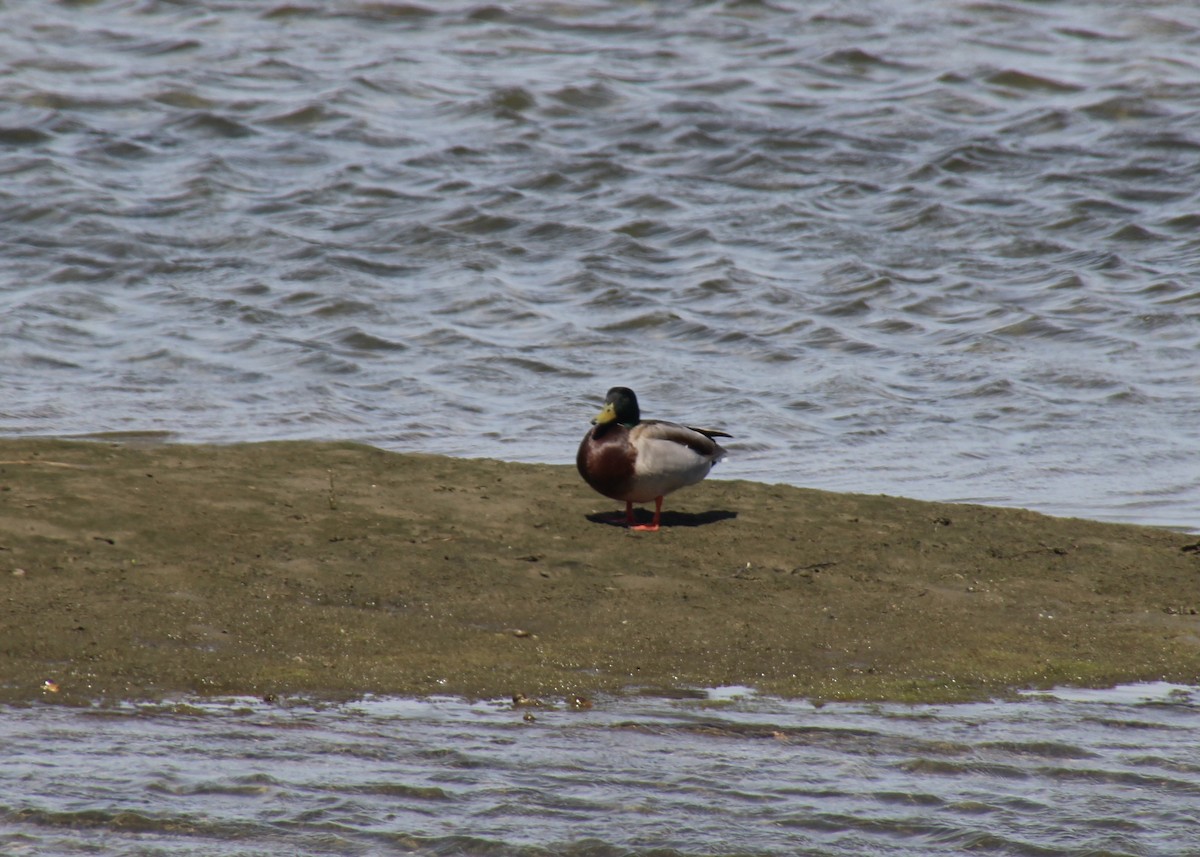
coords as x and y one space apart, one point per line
1066 773
941 249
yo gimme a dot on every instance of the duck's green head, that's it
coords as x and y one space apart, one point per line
620 406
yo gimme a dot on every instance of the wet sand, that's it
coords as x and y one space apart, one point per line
332 570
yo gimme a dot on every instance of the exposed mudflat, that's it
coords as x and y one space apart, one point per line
138 570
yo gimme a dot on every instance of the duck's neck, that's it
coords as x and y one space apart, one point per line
605 429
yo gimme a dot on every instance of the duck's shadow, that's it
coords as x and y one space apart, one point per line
668 519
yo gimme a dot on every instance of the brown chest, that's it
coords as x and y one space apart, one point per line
606 460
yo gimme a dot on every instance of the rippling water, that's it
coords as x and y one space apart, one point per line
1071 773
941 249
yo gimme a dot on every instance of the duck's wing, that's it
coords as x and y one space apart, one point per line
698 441
710 432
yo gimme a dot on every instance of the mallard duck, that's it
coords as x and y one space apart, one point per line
627 458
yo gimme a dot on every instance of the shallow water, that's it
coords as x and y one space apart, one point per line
940 249
1064 773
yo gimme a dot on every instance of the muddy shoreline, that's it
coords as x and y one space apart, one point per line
332 570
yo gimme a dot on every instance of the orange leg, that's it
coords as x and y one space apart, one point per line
616 518
647 528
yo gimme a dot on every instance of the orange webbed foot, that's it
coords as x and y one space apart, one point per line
652 527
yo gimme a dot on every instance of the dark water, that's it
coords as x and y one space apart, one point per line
1083 773
940 249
